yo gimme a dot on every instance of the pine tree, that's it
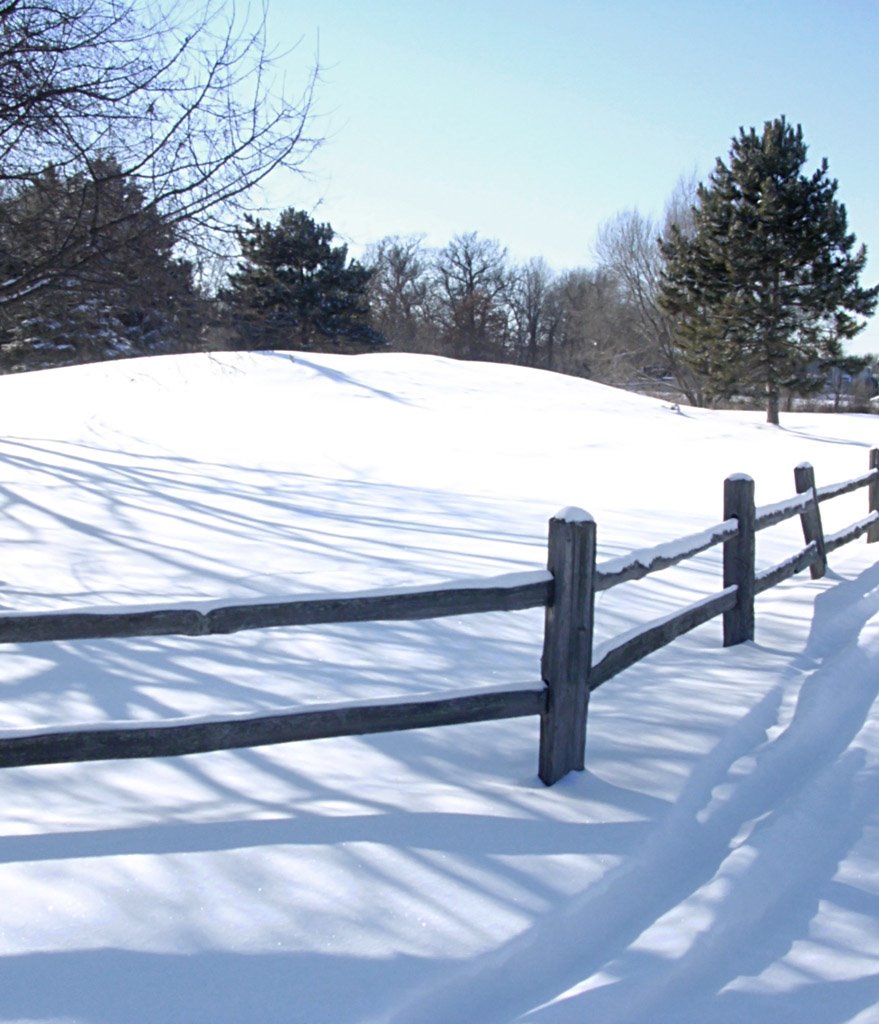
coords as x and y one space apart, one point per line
295 289
765 286
103 306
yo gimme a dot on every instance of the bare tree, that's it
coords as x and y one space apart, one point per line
530 289
472 282
627 247
679 209
592 334
399 290
185 104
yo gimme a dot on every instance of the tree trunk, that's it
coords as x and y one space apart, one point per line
772 405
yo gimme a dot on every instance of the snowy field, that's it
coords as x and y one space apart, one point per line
718 861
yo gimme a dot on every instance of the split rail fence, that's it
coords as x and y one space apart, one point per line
566 590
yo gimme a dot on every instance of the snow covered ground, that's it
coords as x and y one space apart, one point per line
719 859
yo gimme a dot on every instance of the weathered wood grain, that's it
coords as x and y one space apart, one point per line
301 611
850 533
768 578
427 604
810 518
634 648
567 645
738 559
873 495
351 720
771 515
21 629
847 486
643 563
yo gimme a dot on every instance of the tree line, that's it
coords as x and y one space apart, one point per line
469 300
132 139
750 286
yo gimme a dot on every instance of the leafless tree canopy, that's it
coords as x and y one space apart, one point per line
627 248
472 280
399 289
468 300
187 109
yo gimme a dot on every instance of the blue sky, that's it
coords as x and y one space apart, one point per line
535 122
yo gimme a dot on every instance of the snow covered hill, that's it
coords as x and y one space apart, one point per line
717 861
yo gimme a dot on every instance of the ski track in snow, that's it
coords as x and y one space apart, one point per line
725 852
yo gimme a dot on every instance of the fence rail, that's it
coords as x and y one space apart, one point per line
118 742
498 594
569 669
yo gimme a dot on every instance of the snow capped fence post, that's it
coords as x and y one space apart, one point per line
873 496
810 517
567 644
738 558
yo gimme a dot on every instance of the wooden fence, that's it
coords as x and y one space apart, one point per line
566 590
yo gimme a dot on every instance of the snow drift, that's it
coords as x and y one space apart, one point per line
717 860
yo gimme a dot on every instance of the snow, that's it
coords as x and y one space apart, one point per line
414 698
717 861
572 514
788 507
860 525
601 651
671 551
502 581
828 490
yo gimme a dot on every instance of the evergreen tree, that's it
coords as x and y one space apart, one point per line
105 305
766 284
295 289
184 95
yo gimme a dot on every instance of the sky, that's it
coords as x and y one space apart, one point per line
535 122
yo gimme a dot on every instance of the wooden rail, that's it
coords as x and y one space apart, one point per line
118 741
569 670
498 594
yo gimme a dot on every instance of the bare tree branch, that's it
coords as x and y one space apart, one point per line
188 108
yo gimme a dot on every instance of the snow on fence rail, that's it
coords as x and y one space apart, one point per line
569 669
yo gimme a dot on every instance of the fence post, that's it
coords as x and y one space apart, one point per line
738 558
567 644
810 517
873 496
